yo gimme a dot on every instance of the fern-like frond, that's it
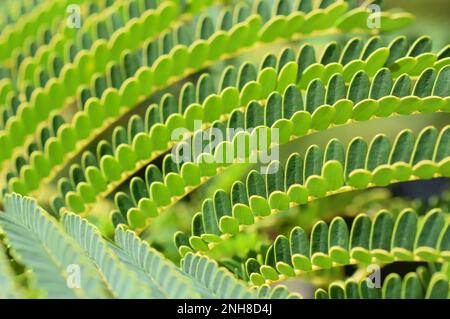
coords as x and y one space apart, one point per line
178 179
221 284
138 255
122 282
127 268
44 15
38 242
414 285
320 173
213 46
284 110
384 239
86 64
41 57
101 21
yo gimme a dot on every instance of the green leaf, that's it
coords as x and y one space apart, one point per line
315 96
110 168
40 244
403 240
333 173
243 214
359 87
123 283
359 238
343 111
319 238
259 206
425 144
142 146
126 157
339 241
429 230
215 281
442 85
313 161
282 250
376 61
411 287
302 122
160 193
392 287
335 89
210 223
175 184
439 287
380 240
356 155
299 244
353 19
151 265
378 152
322 117
272 29
229 225
287 76
335 151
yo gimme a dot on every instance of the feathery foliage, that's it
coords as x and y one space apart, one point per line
211 149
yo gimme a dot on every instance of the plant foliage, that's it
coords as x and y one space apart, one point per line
103 197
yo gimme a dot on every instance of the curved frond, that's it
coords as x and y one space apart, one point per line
152 264
327 106
59 267
318 174
122 282
385 238
221 284
176 179
194 56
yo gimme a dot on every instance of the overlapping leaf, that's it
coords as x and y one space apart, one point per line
195 56
383 239
59 267
221 284
128 268
333 104
319 173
